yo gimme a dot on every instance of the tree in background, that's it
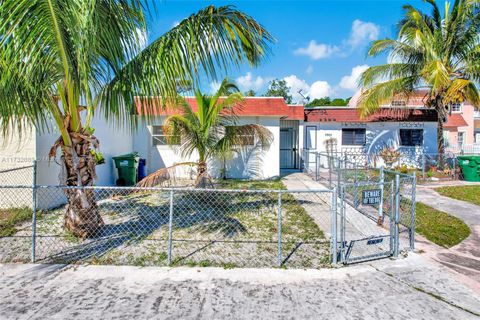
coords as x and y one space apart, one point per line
250 93
326 101
213 130
279 88
439 53
62 62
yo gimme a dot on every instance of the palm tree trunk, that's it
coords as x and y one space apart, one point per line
82 217
440 108
201 174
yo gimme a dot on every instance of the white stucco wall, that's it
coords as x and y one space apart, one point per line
249 163
113 141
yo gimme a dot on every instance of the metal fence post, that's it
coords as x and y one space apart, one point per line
413 212
316 166
339 171
392 215
382 191
334 226
330 164
343 211
34 211
279 230
423 165
397 214
170 229
454 168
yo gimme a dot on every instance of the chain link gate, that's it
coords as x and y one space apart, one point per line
368 221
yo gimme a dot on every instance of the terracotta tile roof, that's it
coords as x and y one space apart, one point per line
345 114
455 120
251 106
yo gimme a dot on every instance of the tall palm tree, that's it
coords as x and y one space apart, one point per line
212 130
439 53
62 62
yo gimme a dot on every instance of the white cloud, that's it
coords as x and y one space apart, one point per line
142 37
214 86
350 82
362 33
318 89
249 82
309 69
316 51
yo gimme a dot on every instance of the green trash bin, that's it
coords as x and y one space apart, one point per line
470 167
127 166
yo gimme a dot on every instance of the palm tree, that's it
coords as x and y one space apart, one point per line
439 53
62 62
212 130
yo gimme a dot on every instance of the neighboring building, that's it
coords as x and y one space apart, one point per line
412 131
462 128
476 122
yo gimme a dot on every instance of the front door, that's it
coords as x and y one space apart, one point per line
288 150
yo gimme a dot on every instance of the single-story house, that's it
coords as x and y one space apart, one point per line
409 130
294 128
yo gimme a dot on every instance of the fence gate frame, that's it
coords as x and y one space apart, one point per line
345 247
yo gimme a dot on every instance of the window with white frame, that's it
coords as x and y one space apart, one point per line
311 137
456 107
411 137
446 141
159 138
354 137
461 138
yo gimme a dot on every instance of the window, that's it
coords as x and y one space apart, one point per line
159 138
411 137
446 141
311 137
456 107
461 138
354 137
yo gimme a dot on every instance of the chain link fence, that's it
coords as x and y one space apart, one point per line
166 226
353 177
426 166
364 220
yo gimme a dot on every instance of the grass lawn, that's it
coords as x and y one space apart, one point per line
466 193
439 227
10 217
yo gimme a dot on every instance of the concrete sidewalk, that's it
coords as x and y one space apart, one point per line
463 258
411 288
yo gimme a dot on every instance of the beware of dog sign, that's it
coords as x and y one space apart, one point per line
371 197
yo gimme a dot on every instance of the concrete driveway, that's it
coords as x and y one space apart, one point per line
411 288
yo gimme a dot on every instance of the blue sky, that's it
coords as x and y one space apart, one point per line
321 45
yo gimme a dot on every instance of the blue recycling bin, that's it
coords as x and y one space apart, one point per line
142 169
